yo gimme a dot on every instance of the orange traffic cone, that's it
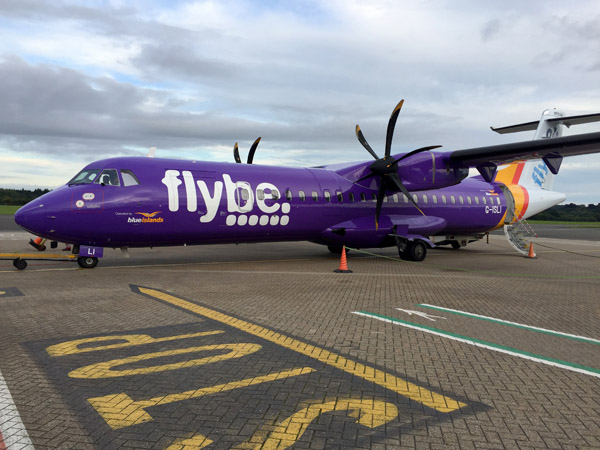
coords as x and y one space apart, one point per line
343 263
38 244
531 254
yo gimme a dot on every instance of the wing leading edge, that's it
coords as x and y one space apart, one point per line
547 149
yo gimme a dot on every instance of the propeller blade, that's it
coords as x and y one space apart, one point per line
380 196
252 150
390 128
396 179
364 142
236 154
414 152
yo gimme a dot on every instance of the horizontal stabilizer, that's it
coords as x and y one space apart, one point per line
564 120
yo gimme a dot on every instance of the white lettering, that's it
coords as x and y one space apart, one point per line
238 192
172 182
190 191
272 195
211 202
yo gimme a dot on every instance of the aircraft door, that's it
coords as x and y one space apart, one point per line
510 205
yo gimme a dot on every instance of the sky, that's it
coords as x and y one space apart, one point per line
88 80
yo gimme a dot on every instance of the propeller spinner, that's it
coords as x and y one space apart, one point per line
386 168
236 152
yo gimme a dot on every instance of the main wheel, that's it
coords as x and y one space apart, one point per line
417 251
20 264
455 245
87 262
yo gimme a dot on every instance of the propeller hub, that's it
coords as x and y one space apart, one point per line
384 166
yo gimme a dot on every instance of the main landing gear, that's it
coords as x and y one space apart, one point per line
415 250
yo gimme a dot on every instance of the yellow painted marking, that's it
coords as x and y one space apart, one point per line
105 369
2 292
193 443
71 347
37 256
412 391
120 410
367 412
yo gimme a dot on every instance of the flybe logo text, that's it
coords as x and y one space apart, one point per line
245 205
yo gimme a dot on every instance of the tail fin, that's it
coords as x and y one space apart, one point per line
535 173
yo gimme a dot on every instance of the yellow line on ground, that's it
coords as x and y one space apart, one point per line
412 391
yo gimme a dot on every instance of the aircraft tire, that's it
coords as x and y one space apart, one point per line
87 262
20 264
417 251
455 245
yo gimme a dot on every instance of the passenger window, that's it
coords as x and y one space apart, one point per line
363 197
315 196
469 199
484 200
351 196
374 197
477 200
244 194
498 200
461 199
339 196
415 198
385 199
108 177
405 198
301 195
395 196
434 198
327 195
443 199
260 194
288 195
129 179
453 199
424 198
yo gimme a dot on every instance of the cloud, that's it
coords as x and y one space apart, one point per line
85 80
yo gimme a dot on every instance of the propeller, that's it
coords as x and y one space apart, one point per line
236 152
386 168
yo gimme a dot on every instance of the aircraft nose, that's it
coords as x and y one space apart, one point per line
32 217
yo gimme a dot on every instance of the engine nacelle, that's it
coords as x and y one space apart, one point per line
429 170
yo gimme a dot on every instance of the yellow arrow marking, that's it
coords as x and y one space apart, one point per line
412 391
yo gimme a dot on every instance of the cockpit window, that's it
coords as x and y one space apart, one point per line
108 177
86 176
129 179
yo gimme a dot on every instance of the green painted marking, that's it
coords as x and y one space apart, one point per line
511 324
489 345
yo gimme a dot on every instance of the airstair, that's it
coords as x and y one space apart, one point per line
519 234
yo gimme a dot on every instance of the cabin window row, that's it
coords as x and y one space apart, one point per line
395 198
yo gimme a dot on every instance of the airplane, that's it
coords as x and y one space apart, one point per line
413 201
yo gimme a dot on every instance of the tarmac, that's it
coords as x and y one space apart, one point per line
264 346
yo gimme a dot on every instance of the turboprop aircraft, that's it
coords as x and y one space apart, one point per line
413 200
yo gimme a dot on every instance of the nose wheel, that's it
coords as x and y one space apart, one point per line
87 262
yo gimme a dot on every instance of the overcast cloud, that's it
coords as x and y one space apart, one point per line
82 81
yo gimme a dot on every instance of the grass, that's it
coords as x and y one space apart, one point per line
8 210
568 224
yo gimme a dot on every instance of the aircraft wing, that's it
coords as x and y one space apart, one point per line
581 144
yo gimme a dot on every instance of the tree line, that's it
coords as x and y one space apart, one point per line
562 213
19 197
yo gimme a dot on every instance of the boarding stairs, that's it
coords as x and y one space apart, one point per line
519 234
